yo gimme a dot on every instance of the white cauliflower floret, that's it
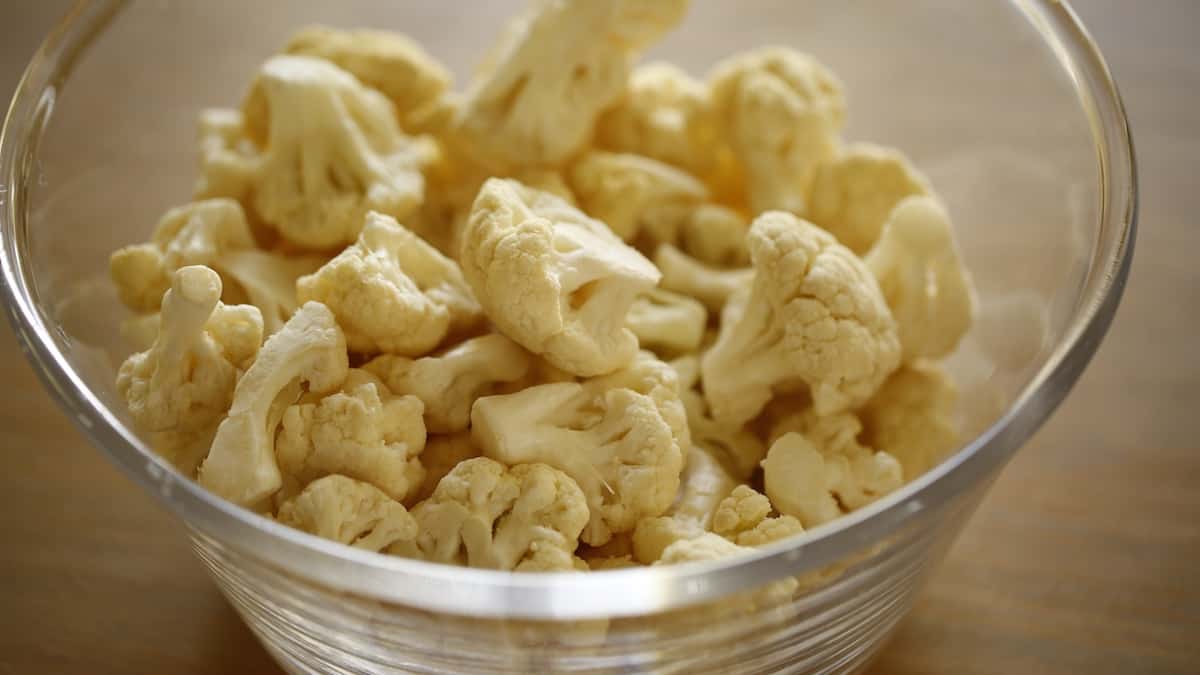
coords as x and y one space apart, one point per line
554 280
552 75
853 193
310 349
683 274
923 279
738 449
716 235
666 320
441 455
349 512
650 376
781 111
392 292
640 199
230 163
361 431
703 486
269 281
449 383
332 152
912 417
483 514
614 443
744 517
813 314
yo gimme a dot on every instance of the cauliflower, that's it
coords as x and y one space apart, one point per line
614 443
230 163
738 449
683 274
853 193
744 517
653 536
781 111
912 417
269 281
349 512
483 514
617 562
640 199
554 280
923 279
449 383
667 320
813 314
649 376
716 235
559 67
392 292
664 115
441 455
361 431
332 152
704 484
309 349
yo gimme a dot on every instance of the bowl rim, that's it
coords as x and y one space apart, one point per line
628 592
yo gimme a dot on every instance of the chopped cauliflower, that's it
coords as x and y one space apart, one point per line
781 112
703 486
813 314
349 512
912 417
269 281
230 163
738 449
554 280
650 376
853 193
441 455
744 517
923 279
716 235
685 275
665 320
653 536
552 75
310 349
449 383
392 292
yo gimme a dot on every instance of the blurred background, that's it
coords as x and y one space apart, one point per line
1085 557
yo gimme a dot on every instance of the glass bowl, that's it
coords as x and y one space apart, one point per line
1006 104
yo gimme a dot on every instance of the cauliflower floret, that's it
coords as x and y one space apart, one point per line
392 292
653 536
614 443
912 417
683 274
441 455
923 279
229 161
552 75
483 514
744 517
349 512
708 547
853 193
554 280
640 199
738 449
310 349
813 314
332 152
781 111
664 115
703 486
450 382
361 431
269 281
650 376
665 320
716 235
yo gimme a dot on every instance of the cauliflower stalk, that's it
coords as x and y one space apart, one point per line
738 449
665 320
349 512
269 281
703 486
716 235
687 276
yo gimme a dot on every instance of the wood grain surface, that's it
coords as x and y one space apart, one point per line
1084 558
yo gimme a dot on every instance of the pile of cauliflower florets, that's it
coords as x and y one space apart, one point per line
584 315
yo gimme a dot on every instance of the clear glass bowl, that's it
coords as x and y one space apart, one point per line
1006 104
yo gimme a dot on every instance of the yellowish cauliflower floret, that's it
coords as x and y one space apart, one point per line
269 281
703 486
392 292
912 417
665 320
923 279
310 349
441 455
653 536
349 512
738 449
650 376
853 193
557 69
640 199
554 280
685 275
744 517
781 112
716 235
230 163
813 314
449 383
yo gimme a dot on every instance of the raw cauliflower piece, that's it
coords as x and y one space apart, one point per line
650 376
554 280
614 443
665 320
813 314
332 152
738 449
703 486
716 235
230 163
653 536
709 547
551 76
685 275
912 417
349 512
441 455
744 517
853 193
449 383
640 199
310 349
923 279
269 281
362 431
483 514
781 111
391 291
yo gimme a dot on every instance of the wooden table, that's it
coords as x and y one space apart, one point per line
1083 559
